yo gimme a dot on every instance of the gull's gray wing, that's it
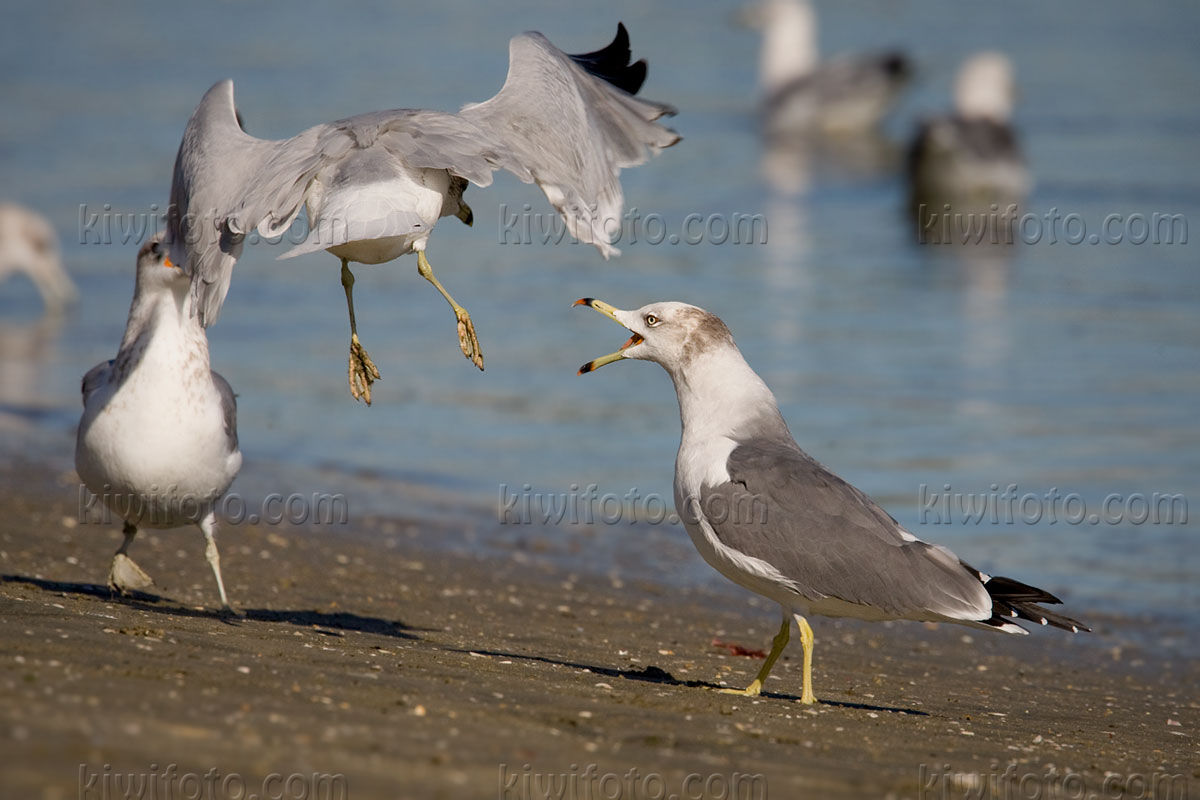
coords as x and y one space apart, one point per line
228 409
227 183
832 541
566 123
96 377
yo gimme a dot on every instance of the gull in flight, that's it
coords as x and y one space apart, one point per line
375 184
766 515
158 439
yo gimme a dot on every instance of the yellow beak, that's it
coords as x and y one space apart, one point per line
610 312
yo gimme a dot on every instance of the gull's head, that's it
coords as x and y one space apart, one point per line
668 333
984 87
156 270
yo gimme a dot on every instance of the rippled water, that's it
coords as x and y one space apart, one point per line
1047 365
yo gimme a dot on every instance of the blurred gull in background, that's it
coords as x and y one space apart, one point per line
29 244
801 95
376 184
970 162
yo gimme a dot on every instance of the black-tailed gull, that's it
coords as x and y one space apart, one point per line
158 439
375 184
766 515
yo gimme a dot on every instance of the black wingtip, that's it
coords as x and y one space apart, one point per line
1015 599
611 63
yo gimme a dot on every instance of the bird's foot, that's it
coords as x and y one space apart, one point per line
126 576
753 690
231 614
807 697
467 339
363 371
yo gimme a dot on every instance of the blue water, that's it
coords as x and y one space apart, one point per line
1042 365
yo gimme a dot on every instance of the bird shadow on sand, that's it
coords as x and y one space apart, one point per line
653 674
327 623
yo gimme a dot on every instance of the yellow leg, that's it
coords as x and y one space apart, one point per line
777 645
363 371
806 642
467 339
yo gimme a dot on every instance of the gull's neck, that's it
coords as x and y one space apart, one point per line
720 396
789 43
161 330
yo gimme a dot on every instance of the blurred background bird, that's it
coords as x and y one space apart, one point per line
849 93
969 162
29 245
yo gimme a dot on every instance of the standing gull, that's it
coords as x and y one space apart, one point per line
767 516
376 184
158 439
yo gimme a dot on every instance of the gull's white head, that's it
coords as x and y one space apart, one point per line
985 88
789 48
670 334
155 269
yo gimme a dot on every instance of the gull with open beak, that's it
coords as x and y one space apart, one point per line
766 515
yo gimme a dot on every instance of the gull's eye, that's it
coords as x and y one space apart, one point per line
155 249
652 320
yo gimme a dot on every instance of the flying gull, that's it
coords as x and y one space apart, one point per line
29 244
766 515
802 94
376 184
158 439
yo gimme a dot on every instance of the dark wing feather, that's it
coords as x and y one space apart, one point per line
95 378
830 540
611 63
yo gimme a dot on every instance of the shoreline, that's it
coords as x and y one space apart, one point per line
418 661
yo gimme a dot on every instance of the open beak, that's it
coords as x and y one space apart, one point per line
610 312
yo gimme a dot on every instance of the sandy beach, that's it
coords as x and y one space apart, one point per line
403 659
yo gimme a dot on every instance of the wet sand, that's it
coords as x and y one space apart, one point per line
412 662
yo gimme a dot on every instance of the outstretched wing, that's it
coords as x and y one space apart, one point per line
554 122
226 184
832 541
571 124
